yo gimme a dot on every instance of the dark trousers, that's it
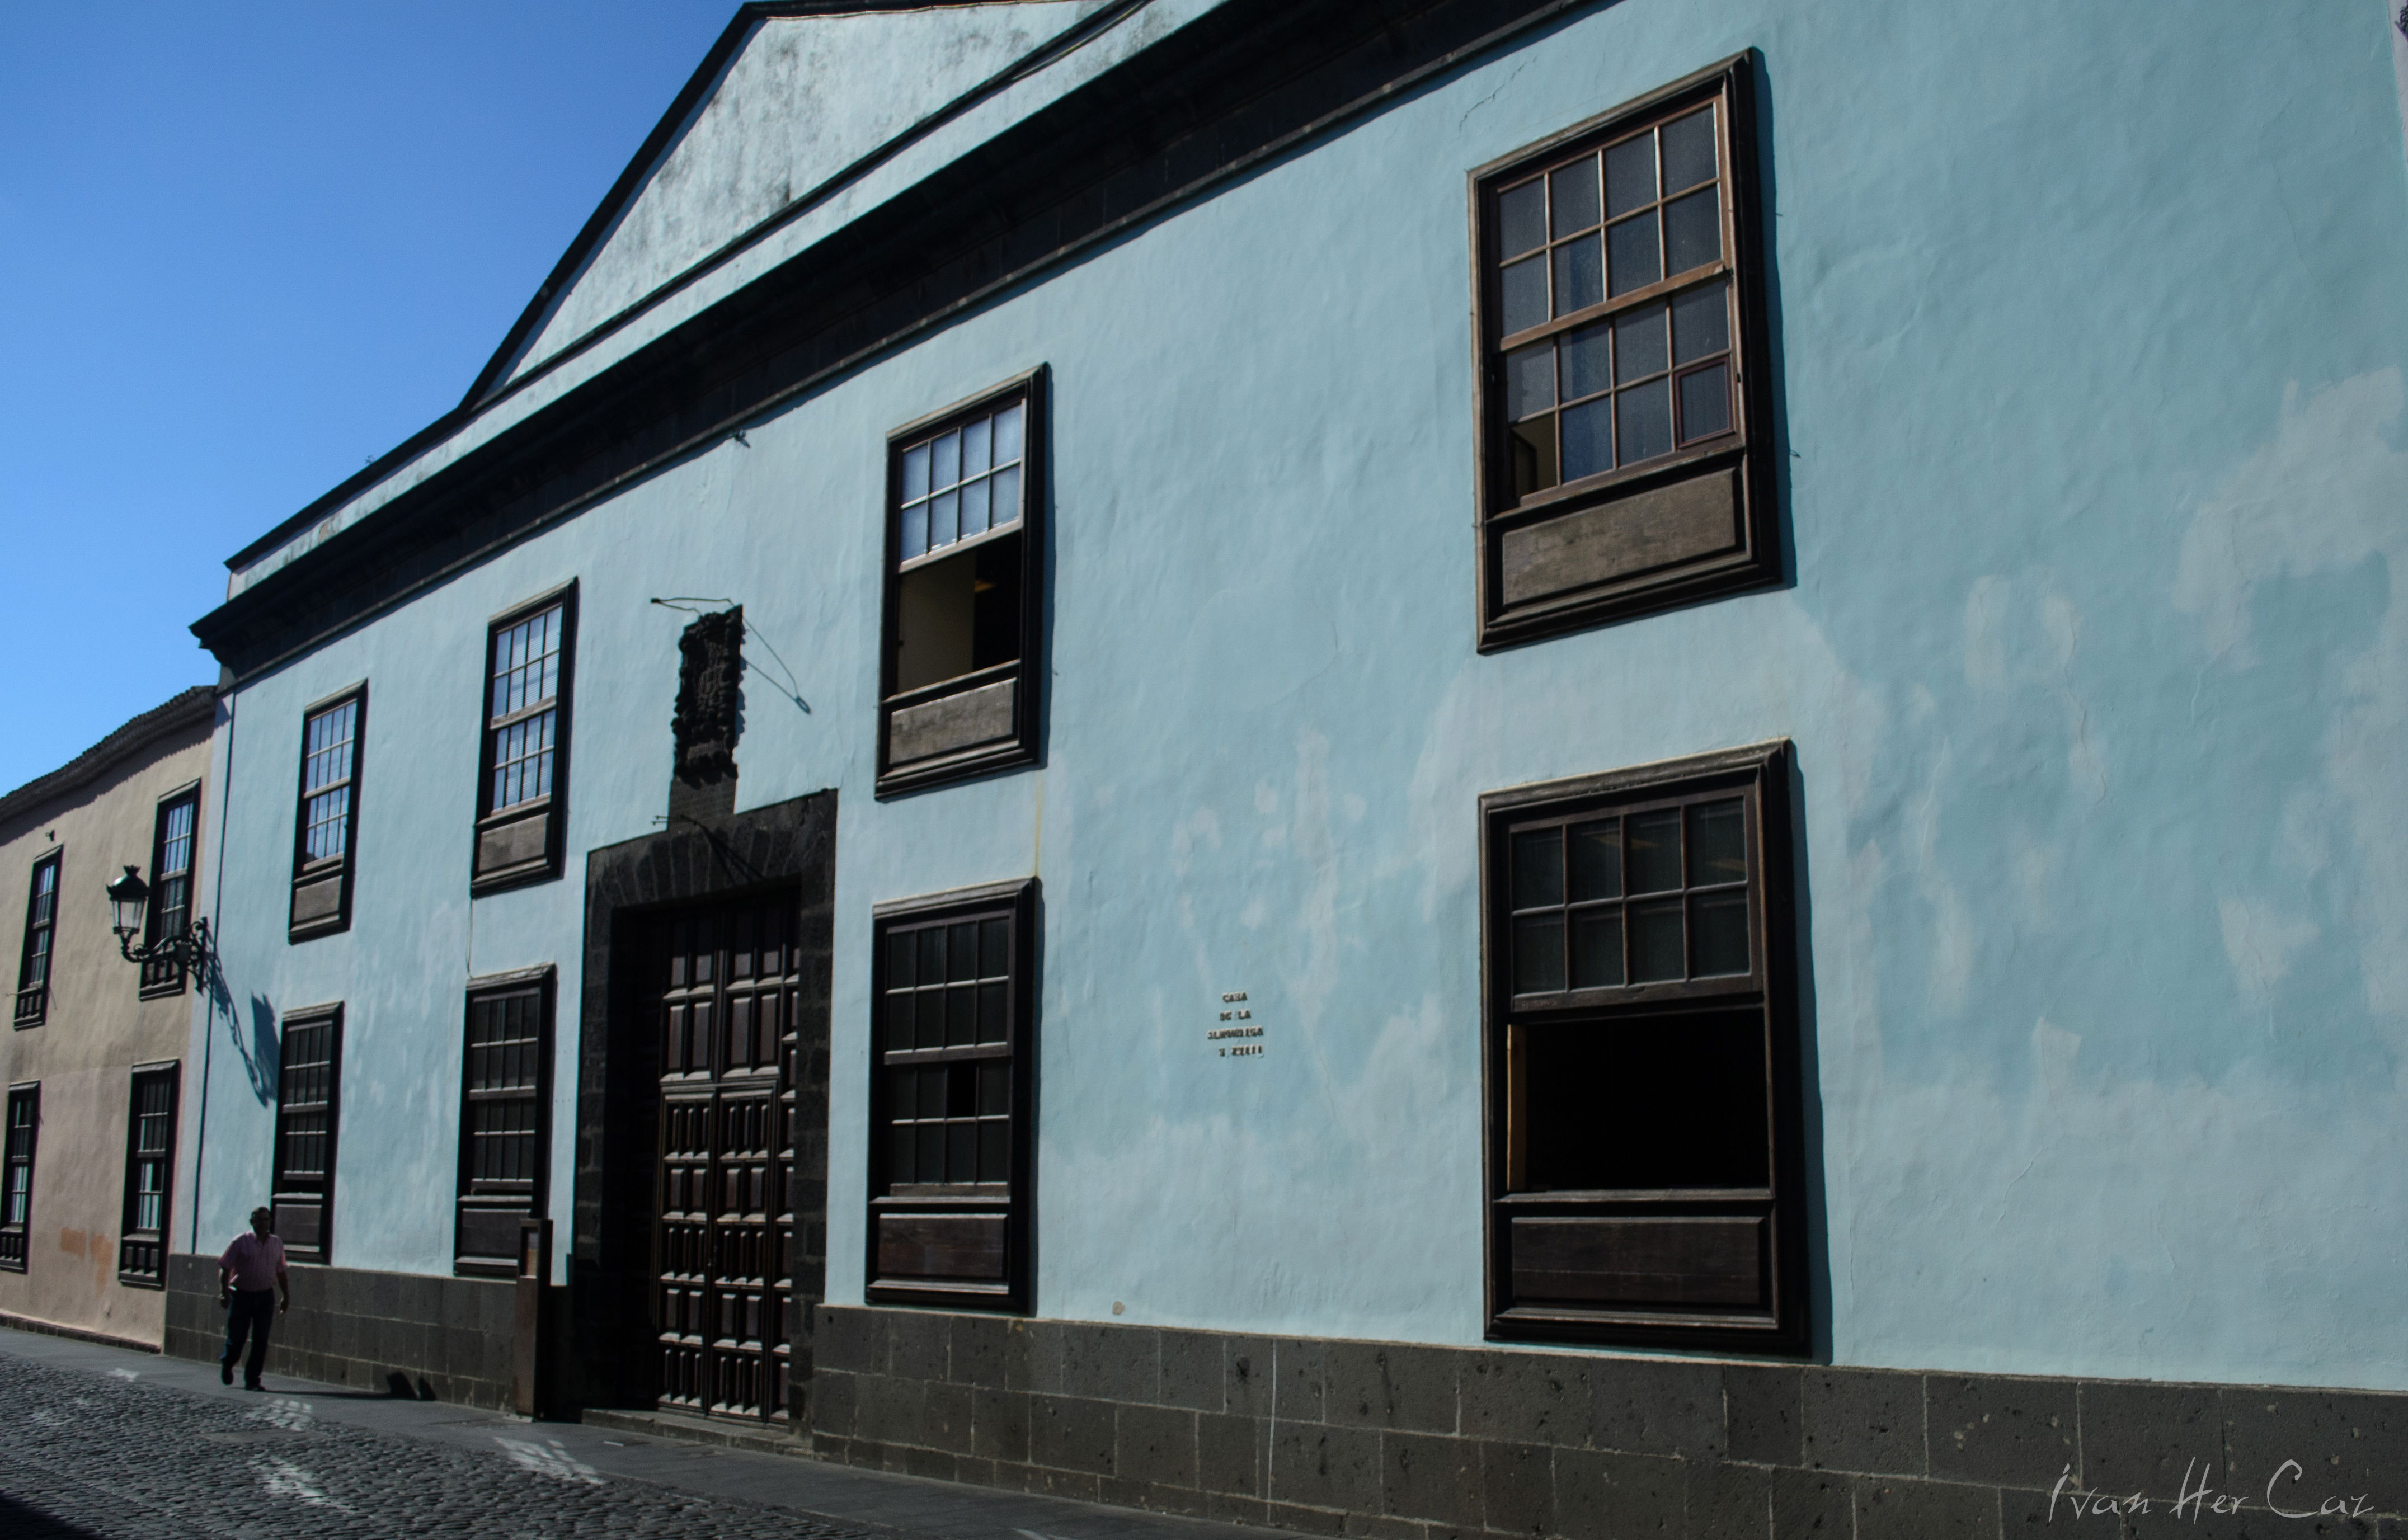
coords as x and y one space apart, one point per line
252 1312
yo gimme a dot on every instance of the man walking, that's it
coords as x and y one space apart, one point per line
253 1269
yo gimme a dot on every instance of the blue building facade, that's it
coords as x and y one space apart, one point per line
1503 767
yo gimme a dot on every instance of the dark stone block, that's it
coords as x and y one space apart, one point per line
1606 1496
1864 1420
1527 1398
1039 1365
1925 1510
1077 1486
1230 1507
833 1394
1725 1502
1069 1434
1813 1503
1427 1476
1372 1526
2346 1442
1229 1454
497 1305
1157 1444
888 1410
1656 1406
919 1343
1247 1376
1764 1411
983 1347
2017 1433
1517 1488
978 1473
850 1339
945 1418
419 1298
929 1464
1191 1370
1388 1385
1110 1362
999 1424
1323 1467
1300 1519
1298 1393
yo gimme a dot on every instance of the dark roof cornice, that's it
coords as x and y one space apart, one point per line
1237 86
181 712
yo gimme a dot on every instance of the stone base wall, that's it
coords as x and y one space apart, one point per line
1399 1442
442 1339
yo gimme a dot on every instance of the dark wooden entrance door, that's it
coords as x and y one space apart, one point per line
727 980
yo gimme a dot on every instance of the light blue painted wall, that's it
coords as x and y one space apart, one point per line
2092 332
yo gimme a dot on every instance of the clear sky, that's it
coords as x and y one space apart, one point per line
245 248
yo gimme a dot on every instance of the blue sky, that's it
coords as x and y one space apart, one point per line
244 249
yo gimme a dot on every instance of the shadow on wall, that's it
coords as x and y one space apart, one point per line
259 1056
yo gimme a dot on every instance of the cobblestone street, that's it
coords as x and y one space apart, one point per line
99 1442
106 1455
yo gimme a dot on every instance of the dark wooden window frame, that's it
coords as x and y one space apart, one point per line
317 911
34 999
1692 524
956 718
164 975
142 1249
285 1193
486 1218
1775 1321
14 1229
928 1219
524 842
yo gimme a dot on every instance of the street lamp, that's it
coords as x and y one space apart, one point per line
129 899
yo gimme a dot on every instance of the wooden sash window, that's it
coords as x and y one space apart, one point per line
308 1098
523 792
964 538
25 1120
326 824
174 850
1644 1168
150 1172
1624 463
505 1121
42 935
949 1215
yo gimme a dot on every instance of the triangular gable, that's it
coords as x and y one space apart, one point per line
785 103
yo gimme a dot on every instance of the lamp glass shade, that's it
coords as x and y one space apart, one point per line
127 897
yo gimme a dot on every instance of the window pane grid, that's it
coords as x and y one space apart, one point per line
153 1133
325 780
1652 898
1611 392
526 668
505 1069
41 916
305 1084
16 1203
947 1004
963 482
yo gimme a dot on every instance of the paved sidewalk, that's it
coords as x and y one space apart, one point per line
104 1441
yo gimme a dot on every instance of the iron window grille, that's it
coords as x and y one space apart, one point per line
17 1174
1624 427
504 1121
1643 1164
41 935
309 1103
325 855
150 1175
950 1098
959 674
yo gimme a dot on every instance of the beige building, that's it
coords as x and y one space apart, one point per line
94 1066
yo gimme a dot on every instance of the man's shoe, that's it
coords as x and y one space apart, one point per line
253 1385
225 1373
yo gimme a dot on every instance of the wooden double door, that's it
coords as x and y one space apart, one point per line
727 979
